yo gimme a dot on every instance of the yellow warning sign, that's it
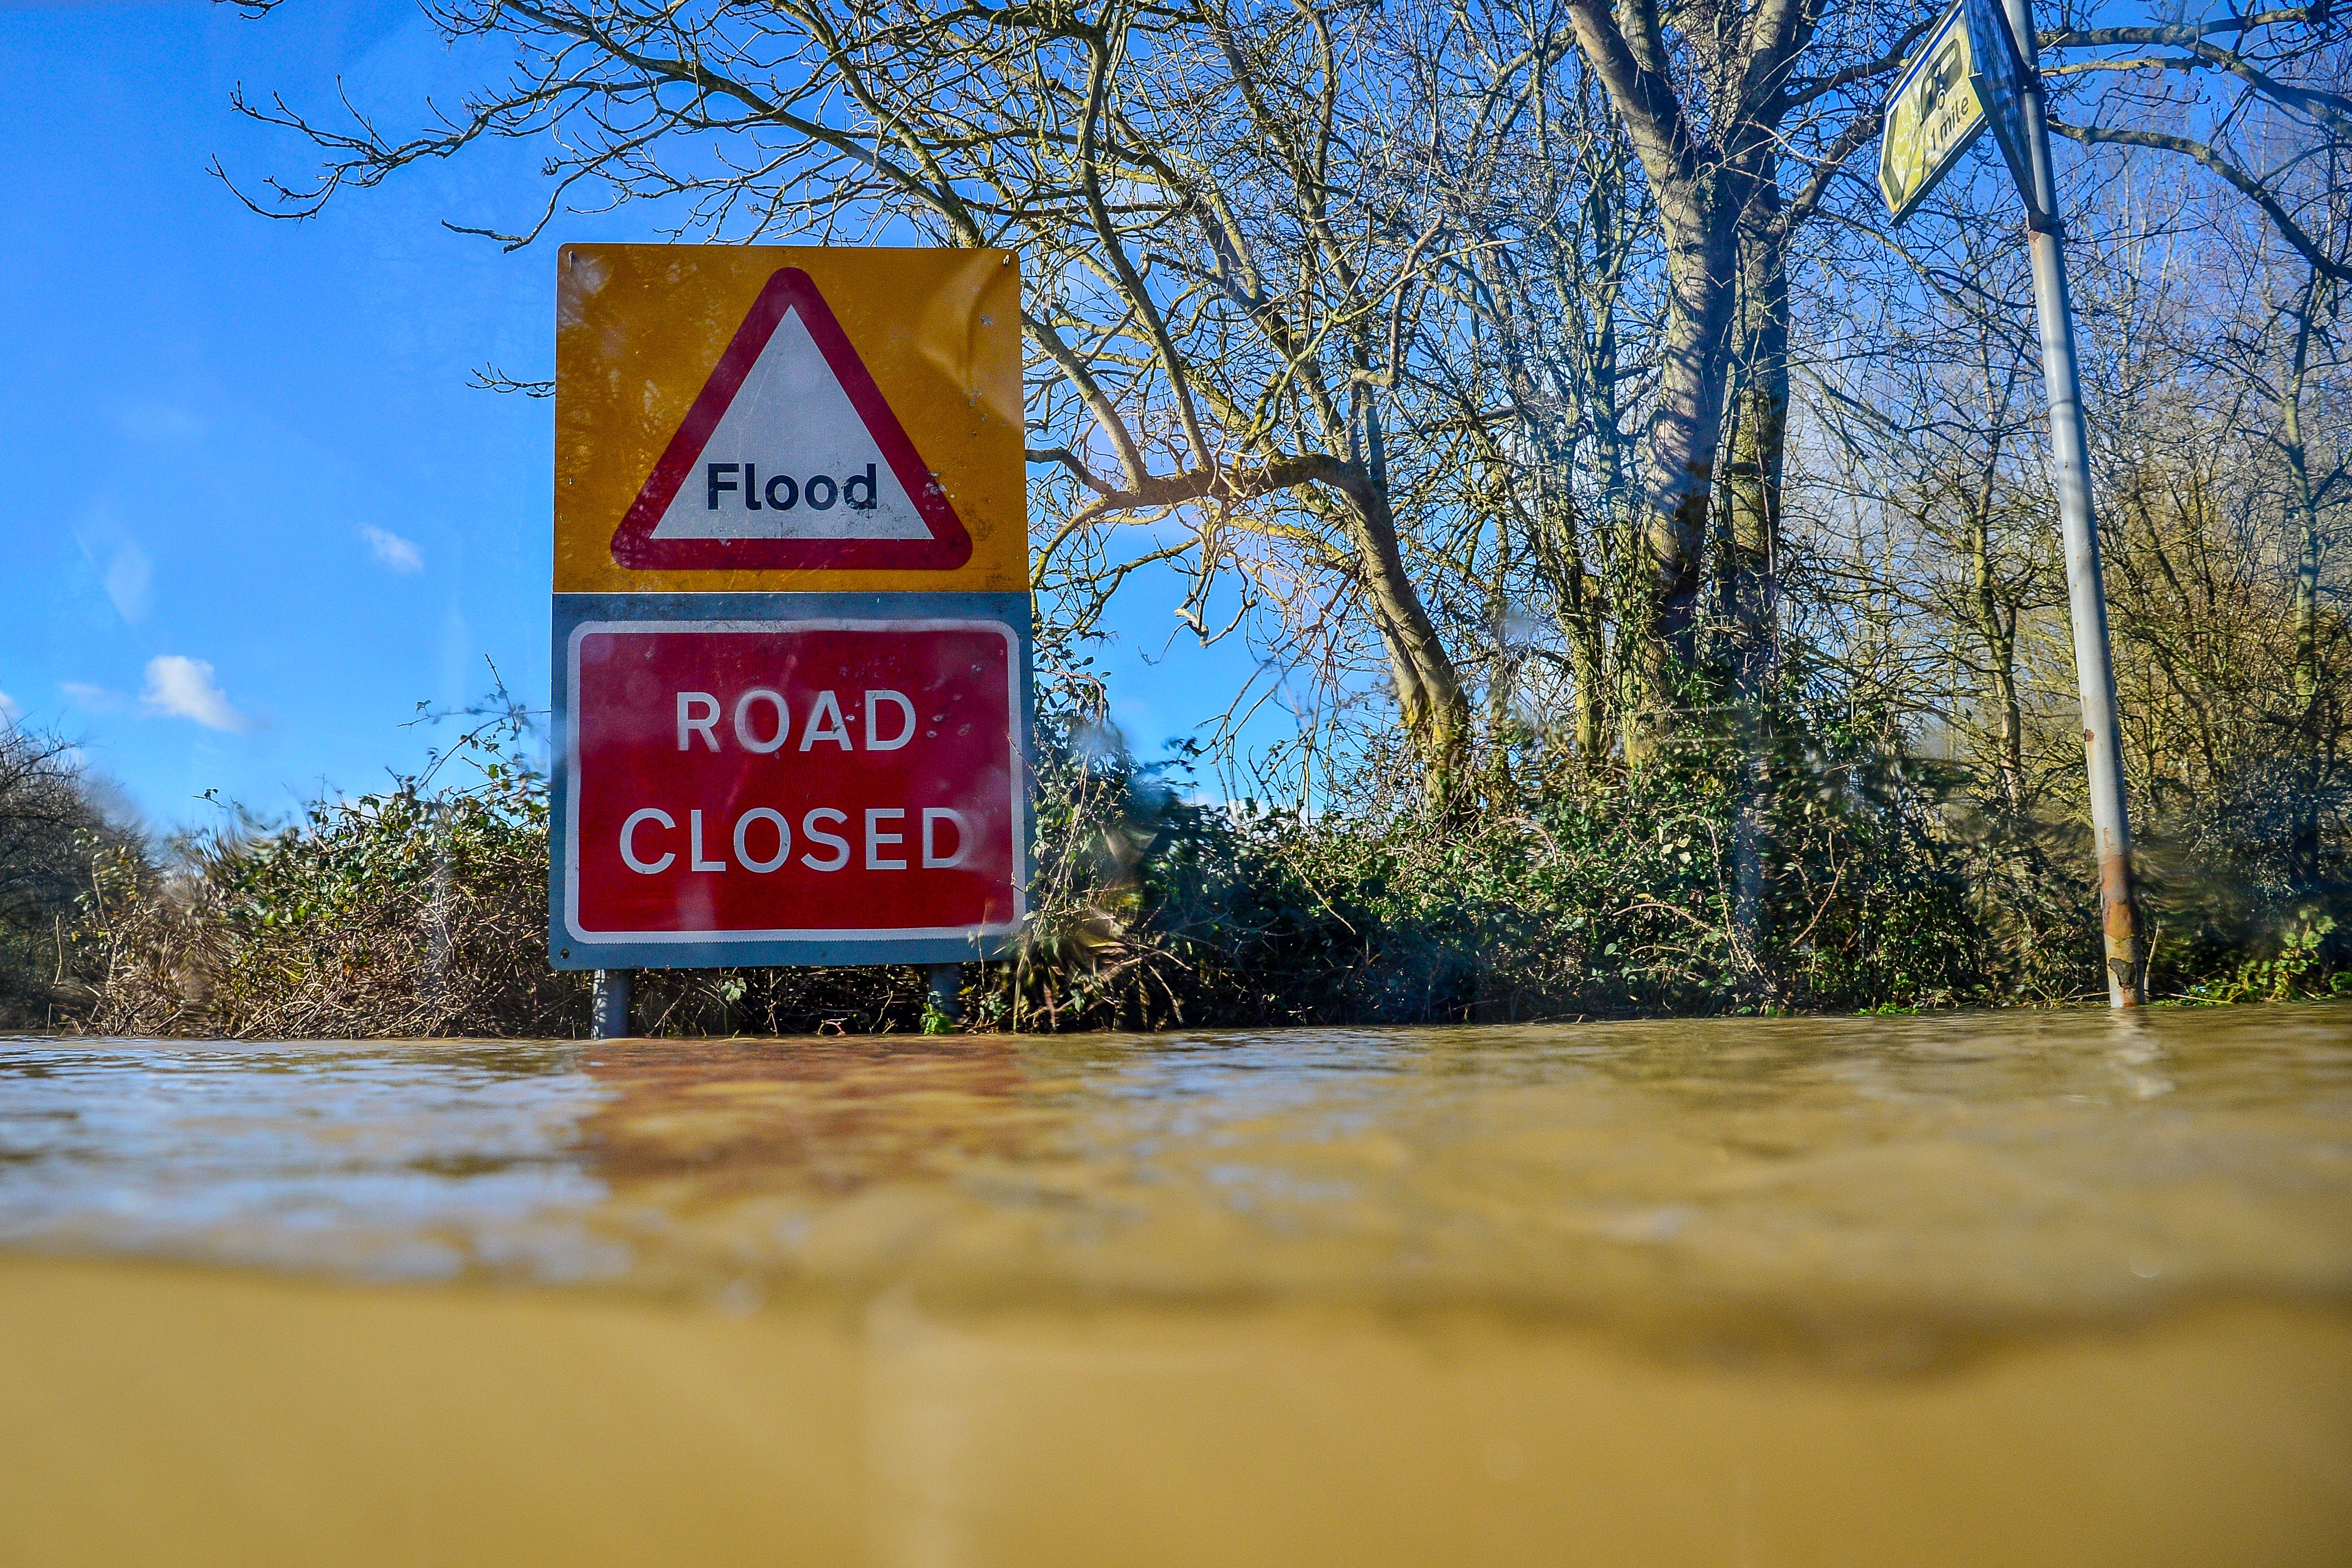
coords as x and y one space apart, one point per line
786 418
1931 117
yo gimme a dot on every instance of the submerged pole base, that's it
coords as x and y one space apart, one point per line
947 987
609 1009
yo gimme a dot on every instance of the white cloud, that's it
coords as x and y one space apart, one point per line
97 699
390 550
9 711
179 687
130 582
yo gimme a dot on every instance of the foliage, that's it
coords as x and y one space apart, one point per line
1557 894
418 910
1802 864
2296 972
54 825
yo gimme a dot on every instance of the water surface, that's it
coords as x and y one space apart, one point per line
1804 1222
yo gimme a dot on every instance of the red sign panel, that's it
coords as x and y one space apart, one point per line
802 780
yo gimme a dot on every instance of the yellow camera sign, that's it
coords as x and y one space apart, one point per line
1934 114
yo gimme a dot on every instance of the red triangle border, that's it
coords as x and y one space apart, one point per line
790 288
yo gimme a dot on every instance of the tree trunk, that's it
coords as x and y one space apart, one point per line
1612 534
1759 451
2303 850
1678 469
1759 456
1577 610
1502 673
1429 691
1999 633
1586 662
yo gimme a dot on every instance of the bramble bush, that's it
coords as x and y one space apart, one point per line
1810 867
57 822
417 910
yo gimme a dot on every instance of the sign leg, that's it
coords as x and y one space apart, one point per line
947 986
609 1012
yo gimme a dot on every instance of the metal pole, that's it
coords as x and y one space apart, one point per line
2070 454
947 987
609 1009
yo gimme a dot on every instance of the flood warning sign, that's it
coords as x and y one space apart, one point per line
791 458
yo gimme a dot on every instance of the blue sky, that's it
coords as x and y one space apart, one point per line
257 515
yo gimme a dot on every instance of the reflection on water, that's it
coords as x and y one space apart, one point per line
1878 1191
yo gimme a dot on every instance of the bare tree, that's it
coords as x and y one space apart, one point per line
1273 253
55 822
1225 268
1720 97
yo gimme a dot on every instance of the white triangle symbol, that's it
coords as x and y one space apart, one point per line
791 459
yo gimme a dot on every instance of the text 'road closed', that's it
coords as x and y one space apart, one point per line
792 779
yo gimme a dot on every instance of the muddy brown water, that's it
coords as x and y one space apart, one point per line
2045 1288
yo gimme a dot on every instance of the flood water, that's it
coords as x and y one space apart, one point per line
2030 1288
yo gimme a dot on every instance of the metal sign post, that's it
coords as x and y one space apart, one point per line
1988 45
793 667
2094 670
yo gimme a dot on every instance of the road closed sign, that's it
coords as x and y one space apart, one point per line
810 787
792 649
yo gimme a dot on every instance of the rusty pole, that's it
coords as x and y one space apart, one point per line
2094 673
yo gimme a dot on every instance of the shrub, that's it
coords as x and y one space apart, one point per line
57 822
419 910
1813 868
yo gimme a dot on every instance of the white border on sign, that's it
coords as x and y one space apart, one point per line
1019 801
